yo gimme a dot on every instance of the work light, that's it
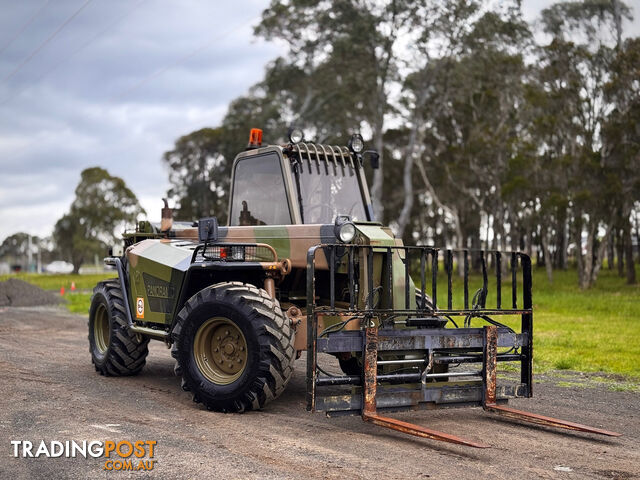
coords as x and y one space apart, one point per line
356 143
296 135
346 232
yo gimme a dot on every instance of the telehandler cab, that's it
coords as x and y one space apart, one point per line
303 266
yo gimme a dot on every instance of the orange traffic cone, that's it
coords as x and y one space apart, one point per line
62 291
73 286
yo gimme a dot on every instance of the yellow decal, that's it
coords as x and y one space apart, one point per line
140 307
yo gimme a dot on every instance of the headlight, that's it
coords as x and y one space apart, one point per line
356 143
296 135
347 232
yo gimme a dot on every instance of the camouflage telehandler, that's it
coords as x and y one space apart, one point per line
302 266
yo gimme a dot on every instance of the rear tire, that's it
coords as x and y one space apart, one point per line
233 347
114 351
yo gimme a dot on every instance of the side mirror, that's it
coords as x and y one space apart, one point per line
208 230
374 158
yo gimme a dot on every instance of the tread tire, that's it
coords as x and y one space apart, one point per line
269 336
125 355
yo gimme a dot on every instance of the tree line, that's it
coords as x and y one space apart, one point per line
493 132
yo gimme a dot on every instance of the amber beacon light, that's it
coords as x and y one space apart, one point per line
255 138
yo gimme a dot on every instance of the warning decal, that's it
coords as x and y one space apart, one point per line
140 307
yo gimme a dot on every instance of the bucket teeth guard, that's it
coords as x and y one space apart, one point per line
373 301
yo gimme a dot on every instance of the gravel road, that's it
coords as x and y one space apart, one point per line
50 391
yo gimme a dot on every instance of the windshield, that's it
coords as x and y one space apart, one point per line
259 197
328 189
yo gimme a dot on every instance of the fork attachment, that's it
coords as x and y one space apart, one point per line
377 316
369 413
489 394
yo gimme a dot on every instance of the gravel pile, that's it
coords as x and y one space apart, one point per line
17 293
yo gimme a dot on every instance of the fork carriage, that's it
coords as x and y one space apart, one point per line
402 341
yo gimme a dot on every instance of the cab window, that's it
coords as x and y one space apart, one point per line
328 189
259 196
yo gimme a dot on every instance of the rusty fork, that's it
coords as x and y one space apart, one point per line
369 413
489 402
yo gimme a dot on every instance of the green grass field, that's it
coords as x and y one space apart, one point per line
56 281
597 330
594 330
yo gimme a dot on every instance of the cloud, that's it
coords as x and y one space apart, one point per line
90 107
73 107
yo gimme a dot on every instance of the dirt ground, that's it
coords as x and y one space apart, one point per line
50 391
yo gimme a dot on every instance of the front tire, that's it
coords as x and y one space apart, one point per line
114 351
233 347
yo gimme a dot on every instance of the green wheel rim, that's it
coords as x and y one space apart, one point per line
220 350
101 330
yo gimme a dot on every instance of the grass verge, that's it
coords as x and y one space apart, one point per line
57 281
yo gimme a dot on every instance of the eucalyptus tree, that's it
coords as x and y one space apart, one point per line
426 91
584 36
198 174
353 45
621 143
467 101
102 208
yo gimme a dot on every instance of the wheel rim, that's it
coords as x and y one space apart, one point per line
101 331
220 350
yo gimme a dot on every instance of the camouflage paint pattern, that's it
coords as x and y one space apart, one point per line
158 266
156 274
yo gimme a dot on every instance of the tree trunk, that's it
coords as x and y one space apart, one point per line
452 212
598 259
564 245
580 260
589 265
619 236
547 255
617 19
77 263
378 177
498 226
610 253
628 253
638 235
502 246
590 251
515 237
528 243
476 245
407 180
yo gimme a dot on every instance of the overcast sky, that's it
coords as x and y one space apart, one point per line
114 87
